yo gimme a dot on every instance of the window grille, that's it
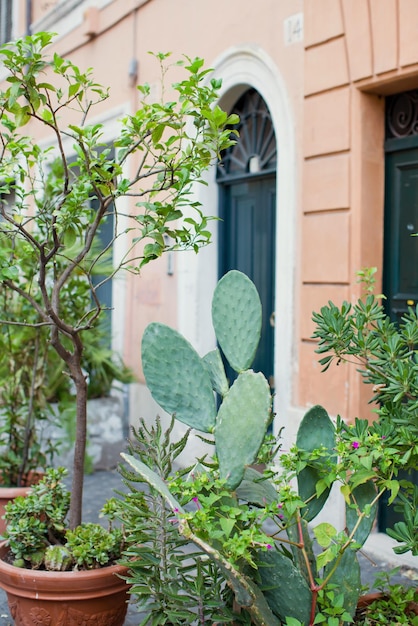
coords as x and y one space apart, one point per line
255 151
402 114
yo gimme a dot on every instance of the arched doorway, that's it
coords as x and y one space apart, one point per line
247 184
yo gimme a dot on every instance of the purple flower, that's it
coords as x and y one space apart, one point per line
196 500
355 445
269 547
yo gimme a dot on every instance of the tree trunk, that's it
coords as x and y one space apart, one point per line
79 449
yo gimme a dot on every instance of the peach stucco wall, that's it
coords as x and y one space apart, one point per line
106 35
356 51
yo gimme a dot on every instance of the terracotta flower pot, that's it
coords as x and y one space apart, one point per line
366 600
10 493
95 597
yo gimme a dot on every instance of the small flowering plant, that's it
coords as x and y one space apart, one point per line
221 518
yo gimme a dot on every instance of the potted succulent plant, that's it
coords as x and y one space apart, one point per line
44 562
258 528
56 199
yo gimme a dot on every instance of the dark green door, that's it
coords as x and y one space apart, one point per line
400 271
247 243
246 175
401 221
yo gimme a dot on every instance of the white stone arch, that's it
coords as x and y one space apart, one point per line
240 68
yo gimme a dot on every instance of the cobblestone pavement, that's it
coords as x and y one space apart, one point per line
101 485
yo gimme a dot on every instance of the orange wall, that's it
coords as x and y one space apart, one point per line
356 51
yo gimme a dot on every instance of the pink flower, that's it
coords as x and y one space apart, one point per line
355 445
269 547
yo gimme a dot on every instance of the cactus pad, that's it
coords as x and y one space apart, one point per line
315 431
242 422
347 579
363 495
213 362
236 317
284 587
177 378
255 490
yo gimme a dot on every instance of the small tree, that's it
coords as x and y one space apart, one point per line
51 224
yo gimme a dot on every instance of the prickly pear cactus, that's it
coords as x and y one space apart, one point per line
236 317
241 425
364 495
285 589
182 383
177 377
315 431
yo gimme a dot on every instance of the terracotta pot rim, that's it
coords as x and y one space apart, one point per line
366 599
8 493
36 583
12 491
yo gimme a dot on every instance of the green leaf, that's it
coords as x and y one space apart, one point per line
327 556
47 116
157 133
363 476
324 533
22 116
227 525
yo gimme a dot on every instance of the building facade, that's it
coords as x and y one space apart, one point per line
315 189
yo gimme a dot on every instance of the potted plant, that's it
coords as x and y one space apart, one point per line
56 199
43 561
254 526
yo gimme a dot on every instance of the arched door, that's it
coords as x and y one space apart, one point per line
247 180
